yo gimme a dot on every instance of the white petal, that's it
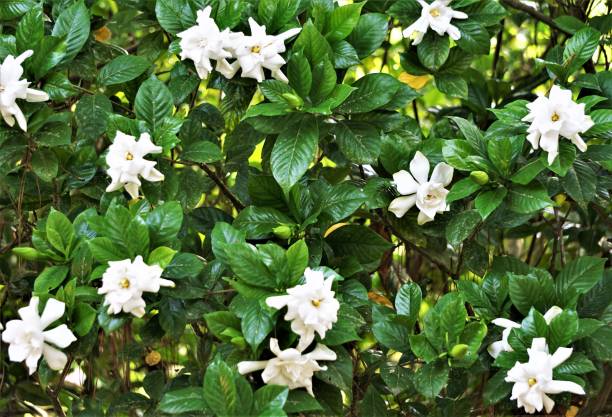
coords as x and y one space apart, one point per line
495 348
505 323
61 336
552 312
54 309
18 352
132 189
56 359
459 15
419 167
560 356
549 404
322 353
34 96
404 183
454 32
153 175
401 205
557 387
279 301
538 344
246 367
423 218
21 120
442 173
580 144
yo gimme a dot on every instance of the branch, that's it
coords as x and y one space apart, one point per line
213 175
536 14
54 393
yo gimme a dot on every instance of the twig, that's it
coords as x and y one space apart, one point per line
54 393
498 45
224 189
536 14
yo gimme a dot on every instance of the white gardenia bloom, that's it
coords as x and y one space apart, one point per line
125 281
534 379
502 345
554 116
437 16
204 42
290 368
428 195
12 88
311 307
28 340
259 51
126 162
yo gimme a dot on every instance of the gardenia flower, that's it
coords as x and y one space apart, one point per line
437 16
554 116
126 162
28 340
429 196
311 307
12 88
534 379
290 368
125 281
204 42
259 51
500 346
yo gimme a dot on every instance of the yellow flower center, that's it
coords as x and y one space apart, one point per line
256 49
555 117
316 303
124 283
532 382
434 12
129 156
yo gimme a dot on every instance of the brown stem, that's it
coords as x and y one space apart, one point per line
536 14
54 393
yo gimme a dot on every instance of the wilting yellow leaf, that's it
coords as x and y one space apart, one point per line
572 411
333 227
380 299
415 81
153 358
103 34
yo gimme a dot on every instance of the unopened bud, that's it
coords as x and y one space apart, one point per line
459 351
560 199
283 231
293 100
479 177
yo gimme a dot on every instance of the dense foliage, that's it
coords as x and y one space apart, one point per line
219 207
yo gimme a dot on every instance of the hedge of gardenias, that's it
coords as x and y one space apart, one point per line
305 208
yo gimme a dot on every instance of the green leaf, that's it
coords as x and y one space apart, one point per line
84 318
175 15
274 14
475 38
92 113
297 260
527 291
342 21
453 85
452 316
50 278
164 223
293 151
259 222
360 242
580 48
247 264
122 69
471 132
73 26
104 249
580 183
221 391
369 33
528 172
161 256
577 364
422 348
565 159
359 142
373 91
372 404
487 201
270 396
496 388
257 323
314 46
462 189
528 199
431 378
30 29
10 9
501 154
580 274
183 400
408 300
433 50
562 329
299 74
153 102
202 152
49 52
461 226
60 232
45 164
460 154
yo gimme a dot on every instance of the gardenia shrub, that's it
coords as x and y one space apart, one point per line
305 208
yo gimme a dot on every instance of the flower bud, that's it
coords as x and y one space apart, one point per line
283 231
293 100
479 177
459 351
560 199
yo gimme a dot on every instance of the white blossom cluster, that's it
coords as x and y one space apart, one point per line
534 380
311 308
251 53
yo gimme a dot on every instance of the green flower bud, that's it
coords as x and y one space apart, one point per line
283 231
479 177
459 351
293 100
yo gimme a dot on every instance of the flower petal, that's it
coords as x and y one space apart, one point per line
246 367
560 356
442 173
55 358
404 183
557 387
419 167
61 336
278 301
401 205
54 309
